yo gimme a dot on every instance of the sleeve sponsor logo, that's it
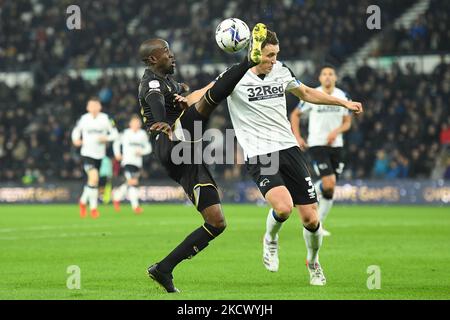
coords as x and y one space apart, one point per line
154 85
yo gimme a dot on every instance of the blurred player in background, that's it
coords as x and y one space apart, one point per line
327 123
92 133
135 144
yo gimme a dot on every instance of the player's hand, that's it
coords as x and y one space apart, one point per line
331 137
138 153
161 127
103 139
182 101
77 143
302 144
354 106
119 157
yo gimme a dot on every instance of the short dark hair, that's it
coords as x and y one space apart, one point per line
327 66
94 98
271 38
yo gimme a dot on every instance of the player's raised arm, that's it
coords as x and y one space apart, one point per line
315 96
195 96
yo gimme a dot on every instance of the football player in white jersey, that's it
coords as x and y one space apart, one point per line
257 107
135 145
93 131
326 125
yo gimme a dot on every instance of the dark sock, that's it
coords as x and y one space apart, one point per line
224 86
193 244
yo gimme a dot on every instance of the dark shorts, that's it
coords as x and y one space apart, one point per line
131 171
90 163
183 169
327 160
292 173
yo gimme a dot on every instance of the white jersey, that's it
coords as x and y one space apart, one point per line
323 119
134 144
90 129
258 111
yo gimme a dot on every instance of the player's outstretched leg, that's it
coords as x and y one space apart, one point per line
198 240
226 82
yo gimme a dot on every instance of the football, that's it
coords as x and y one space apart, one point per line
232 35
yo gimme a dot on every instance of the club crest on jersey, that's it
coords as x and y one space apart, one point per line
264 182
265 92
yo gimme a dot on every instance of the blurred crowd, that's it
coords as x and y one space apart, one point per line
430 33
405 126
402 134
34 35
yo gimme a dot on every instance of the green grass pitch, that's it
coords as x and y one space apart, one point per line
411 245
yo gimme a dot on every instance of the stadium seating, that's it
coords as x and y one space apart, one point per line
428 34
33 33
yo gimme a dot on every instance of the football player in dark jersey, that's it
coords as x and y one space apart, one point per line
170 120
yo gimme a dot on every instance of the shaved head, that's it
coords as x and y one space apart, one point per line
148 47
156 53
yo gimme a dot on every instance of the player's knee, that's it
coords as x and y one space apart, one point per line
310 216
220 225
216 227
328 193
93 178
311 222
215 218
283 209
328 182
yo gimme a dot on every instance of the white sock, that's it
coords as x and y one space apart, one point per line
313 242
324 208
272 226
133 195
120 192
93 197
85 195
